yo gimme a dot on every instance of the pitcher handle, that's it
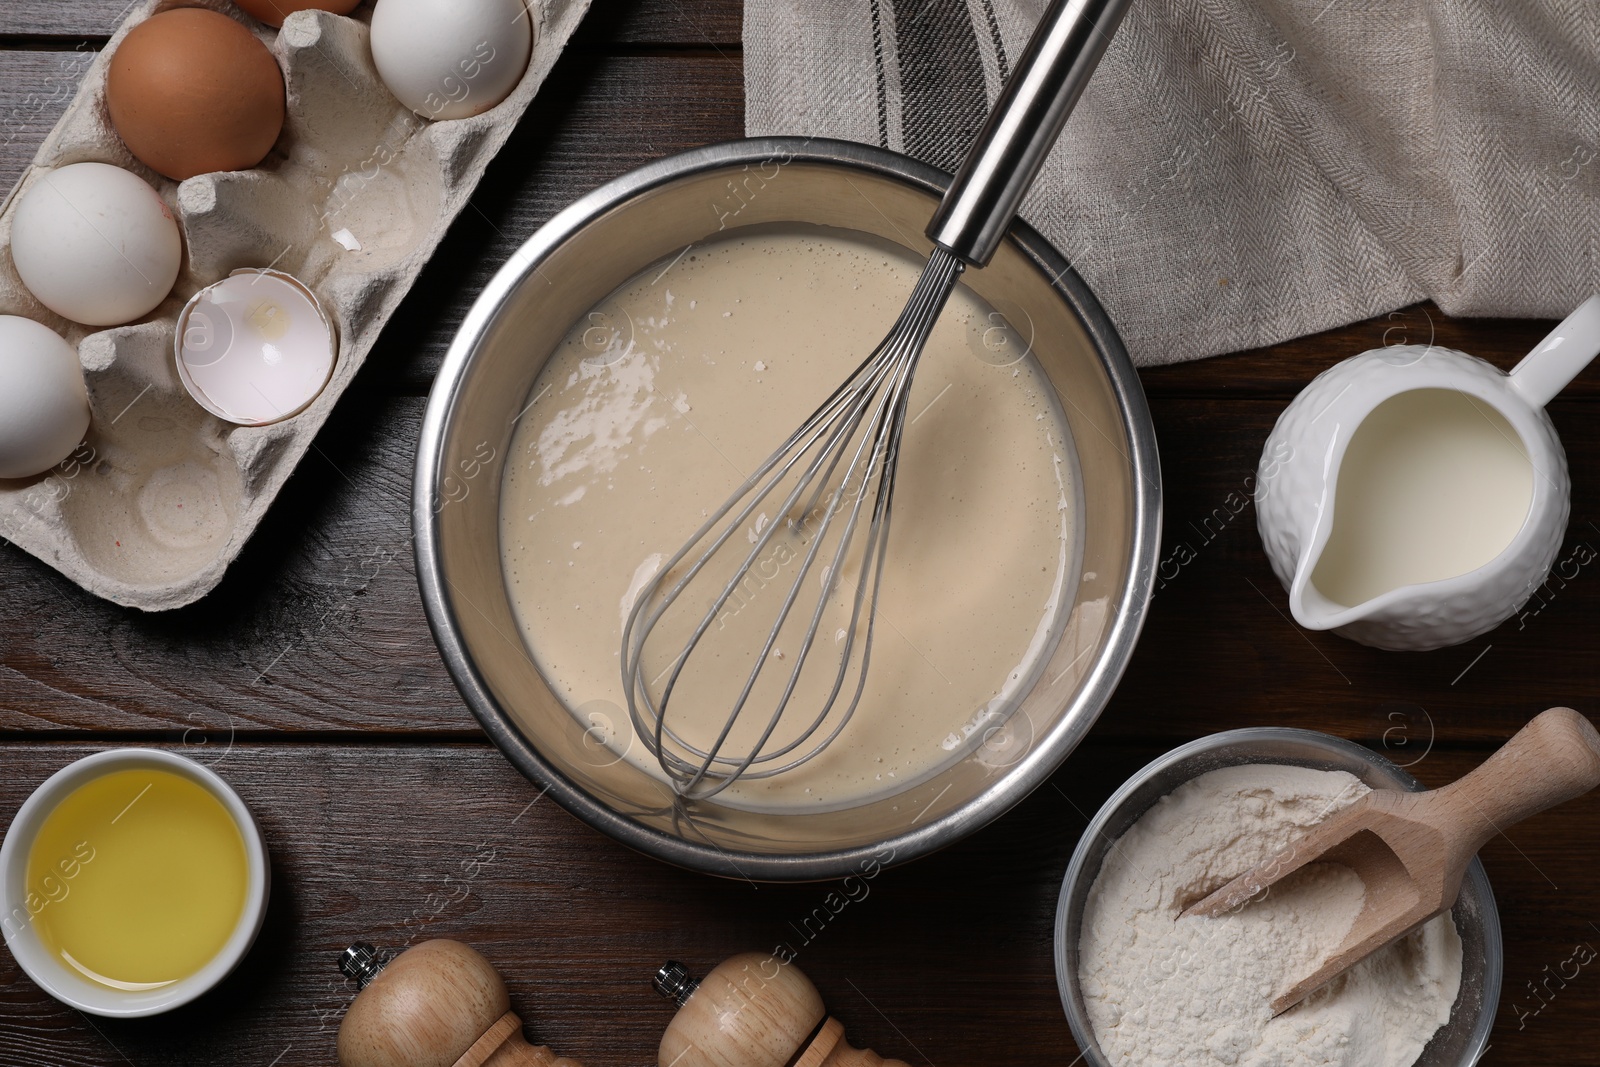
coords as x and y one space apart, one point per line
1557 359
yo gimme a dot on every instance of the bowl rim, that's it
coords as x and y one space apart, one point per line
1476 877
14 854
1128 611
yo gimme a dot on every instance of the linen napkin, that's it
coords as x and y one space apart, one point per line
1240 172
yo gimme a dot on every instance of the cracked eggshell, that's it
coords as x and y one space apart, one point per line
255 348
451 59
44 406
95 244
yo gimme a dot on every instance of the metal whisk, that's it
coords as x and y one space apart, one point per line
828 470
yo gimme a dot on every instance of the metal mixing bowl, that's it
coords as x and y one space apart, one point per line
581 256
1459 1043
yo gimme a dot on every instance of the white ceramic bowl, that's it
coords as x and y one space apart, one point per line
65 984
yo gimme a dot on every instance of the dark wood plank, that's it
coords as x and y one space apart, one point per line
35 88
324 600
682 23
947 960
576 922
714 25
1219 649
1283 370
325 590
62 18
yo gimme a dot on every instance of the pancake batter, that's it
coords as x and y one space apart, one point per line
661 401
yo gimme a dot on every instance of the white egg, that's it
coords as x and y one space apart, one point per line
449 59
44 407
95 244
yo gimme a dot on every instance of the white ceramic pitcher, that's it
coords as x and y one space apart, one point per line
1297 485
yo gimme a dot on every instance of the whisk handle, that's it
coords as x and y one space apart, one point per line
1000 167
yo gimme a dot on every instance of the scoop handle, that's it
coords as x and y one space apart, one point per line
999 169
1553 759
1557 359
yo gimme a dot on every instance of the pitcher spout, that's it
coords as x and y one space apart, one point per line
1315 611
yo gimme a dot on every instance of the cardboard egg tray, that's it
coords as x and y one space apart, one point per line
162 495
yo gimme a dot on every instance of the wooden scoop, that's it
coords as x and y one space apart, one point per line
1411 850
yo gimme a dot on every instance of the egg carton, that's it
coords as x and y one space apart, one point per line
354 198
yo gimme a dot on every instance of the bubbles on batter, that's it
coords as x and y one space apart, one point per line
1002 336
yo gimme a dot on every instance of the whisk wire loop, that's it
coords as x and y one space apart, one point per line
859 426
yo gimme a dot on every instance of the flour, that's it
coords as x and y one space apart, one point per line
1197 992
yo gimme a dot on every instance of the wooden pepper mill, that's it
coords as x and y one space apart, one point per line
439 1004
753 1011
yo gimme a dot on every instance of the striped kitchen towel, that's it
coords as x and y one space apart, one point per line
1240 172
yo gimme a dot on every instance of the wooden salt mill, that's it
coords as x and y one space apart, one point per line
439 1004
753 1011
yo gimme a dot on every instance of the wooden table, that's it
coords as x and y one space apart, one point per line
310 681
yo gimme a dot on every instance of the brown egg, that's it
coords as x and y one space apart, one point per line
273 12
191 91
